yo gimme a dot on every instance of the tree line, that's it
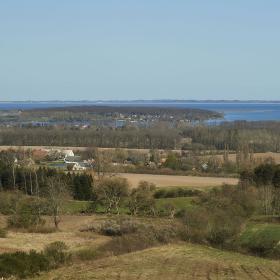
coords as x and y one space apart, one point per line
261 137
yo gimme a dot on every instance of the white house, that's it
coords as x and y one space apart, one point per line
68 153
77 167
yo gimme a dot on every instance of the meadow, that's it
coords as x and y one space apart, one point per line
171 261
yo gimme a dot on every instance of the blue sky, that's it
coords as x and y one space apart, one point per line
148 49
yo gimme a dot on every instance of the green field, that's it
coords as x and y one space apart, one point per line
180 203
261 238
73 207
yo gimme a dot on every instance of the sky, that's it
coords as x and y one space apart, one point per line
148 49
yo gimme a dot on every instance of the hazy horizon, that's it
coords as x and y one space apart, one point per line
145 100
126 50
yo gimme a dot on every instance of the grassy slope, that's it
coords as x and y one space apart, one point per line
172 262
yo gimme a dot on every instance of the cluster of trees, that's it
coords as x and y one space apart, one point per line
112 193
266 178
33 181
93 137
259 137
220 214
196 163
49 188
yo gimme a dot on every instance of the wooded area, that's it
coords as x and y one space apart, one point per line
259 137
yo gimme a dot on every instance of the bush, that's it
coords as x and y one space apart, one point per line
111 192
8 201
175 192
86 254
118 227
262 240
141 200
56 254
3 233
129 243
41 229
22 265
222 227
146 236
196 221
220 215
163 234
168 209
27 214
110 228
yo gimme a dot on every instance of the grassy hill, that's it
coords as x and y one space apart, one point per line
172 262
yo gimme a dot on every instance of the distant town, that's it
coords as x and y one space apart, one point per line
104 116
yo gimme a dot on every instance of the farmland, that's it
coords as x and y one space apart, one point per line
232 155
179 181
120 219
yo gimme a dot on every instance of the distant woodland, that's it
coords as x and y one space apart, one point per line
258 136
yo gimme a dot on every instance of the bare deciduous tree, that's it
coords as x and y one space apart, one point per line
111 192
56 195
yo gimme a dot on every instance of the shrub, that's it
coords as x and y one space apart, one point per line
22 265
110 228
129 243
141 199
56 254
222 227
3 233
216 222
169 210
146 236
175 192
262 240
27 214
196 221
220 215
91 228
41 229
8 201
86 254
163 234
118 227
111 192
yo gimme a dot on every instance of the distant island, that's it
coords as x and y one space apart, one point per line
143 101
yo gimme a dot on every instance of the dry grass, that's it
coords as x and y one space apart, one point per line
180 181
259 157
181 262
174 262
68 233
